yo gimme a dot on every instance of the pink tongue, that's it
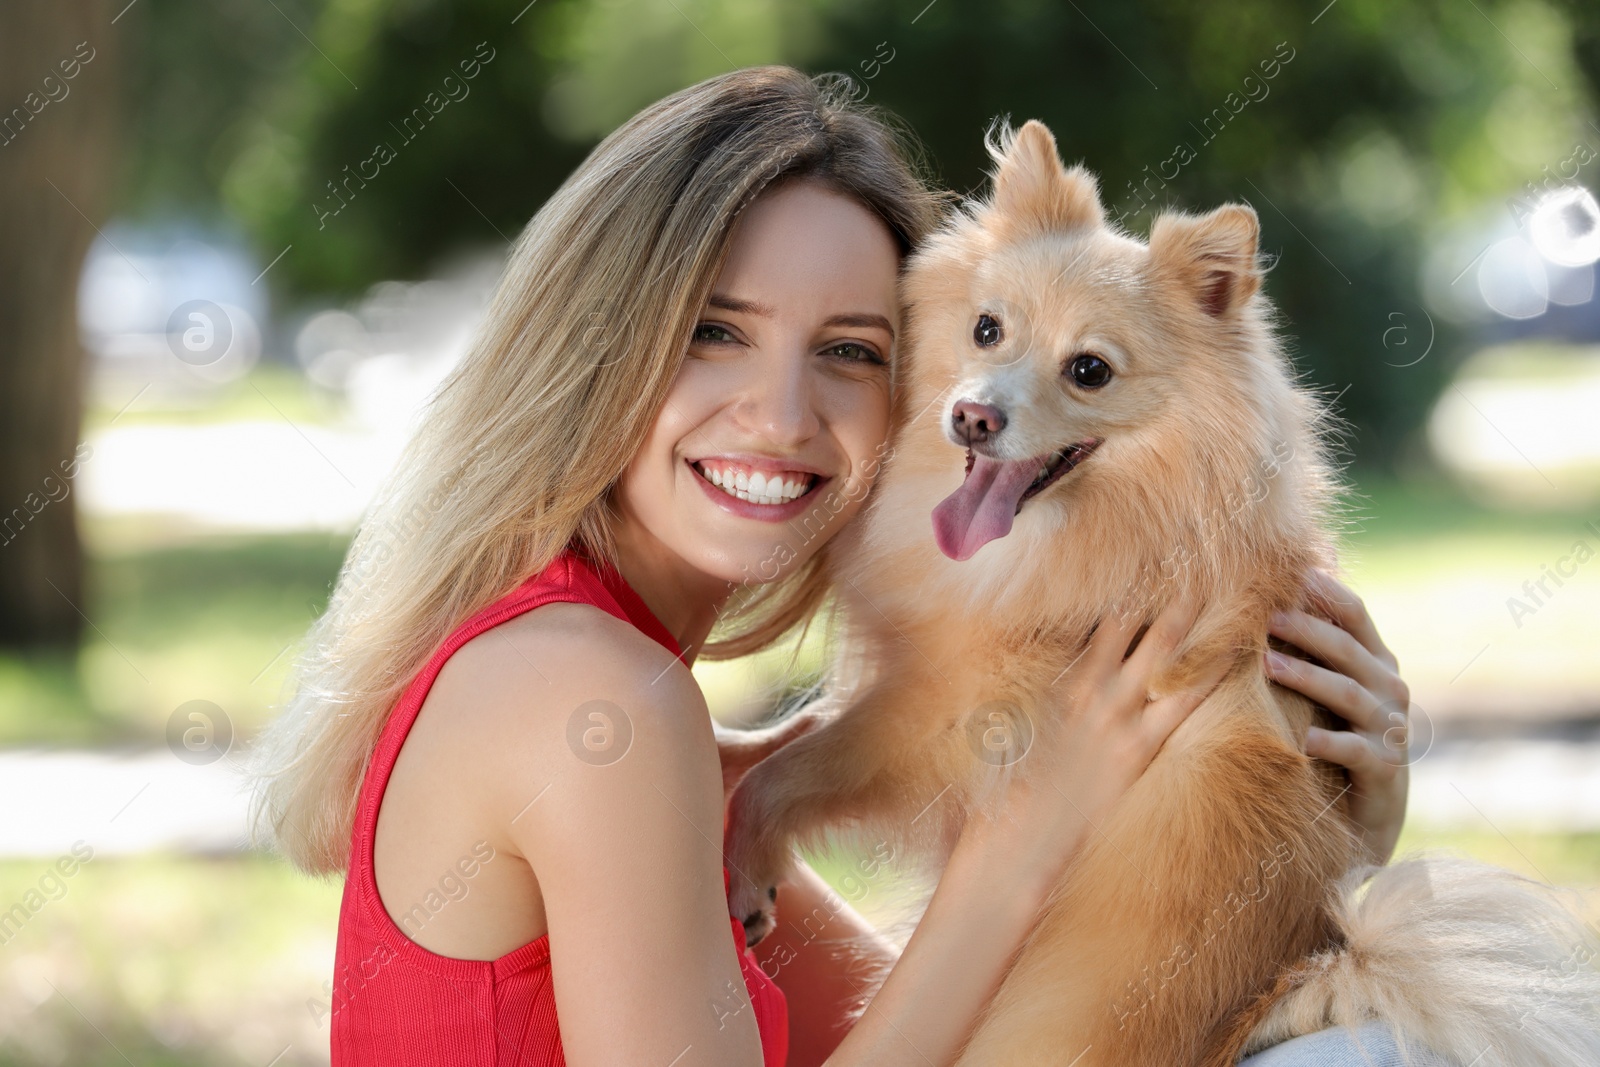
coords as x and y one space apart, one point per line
982 509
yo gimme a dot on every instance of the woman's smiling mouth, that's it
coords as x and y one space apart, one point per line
772 492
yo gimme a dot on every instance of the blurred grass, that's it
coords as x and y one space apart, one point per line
167 961
1382 511
1437 571
1564 859
205 617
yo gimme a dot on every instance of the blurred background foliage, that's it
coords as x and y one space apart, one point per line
1388 128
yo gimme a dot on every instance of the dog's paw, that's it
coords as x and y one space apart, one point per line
756 849
754 871
756 865
757 911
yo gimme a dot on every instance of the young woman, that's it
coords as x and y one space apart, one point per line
496 735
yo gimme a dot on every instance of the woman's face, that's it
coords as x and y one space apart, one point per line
776 424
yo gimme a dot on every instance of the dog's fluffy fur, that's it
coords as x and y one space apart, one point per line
1212 914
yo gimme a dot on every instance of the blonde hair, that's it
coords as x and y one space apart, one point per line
518 450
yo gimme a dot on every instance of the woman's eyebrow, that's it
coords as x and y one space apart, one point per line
739 306
859 319
862 319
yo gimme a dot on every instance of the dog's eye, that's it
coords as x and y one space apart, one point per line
1091 372
987 332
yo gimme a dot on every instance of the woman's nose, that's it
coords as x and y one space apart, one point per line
780 405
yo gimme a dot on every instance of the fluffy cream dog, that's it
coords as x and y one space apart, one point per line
1099 424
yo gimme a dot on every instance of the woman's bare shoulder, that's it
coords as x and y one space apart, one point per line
560 642
567 685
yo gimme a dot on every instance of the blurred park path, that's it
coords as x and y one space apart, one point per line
146 801
119 803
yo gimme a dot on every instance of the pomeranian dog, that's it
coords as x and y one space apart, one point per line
1097 424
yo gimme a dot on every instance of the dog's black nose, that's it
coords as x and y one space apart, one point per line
975 423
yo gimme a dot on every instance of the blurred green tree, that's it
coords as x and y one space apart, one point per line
57 141
1363 131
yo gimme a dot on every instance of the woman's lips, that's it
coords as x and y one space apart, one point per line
772 494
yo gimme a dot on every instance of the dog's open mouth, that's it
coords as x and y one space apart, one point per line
993 493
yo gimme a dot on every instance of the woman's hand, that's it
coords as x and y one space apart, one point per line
1110 730
1005 868
1361 684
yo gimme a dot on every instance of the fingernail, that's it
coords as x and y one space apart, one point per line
1279 618
1275 660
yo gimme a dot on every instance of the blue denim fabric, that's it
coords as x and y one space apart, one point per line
1373 1045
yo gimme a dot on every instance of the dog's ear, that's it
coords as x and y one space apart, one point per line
1213 254
1034 189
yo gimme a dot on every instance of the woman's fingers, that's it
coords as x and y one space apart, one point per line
1107 645
1368 765
1345 655
1339 693
1378 782
1159 642
1165 715
1115 692
1349 612
1327 641
1341 652
1364 688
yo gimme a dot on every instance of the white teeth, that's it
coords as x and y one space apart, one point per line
757 487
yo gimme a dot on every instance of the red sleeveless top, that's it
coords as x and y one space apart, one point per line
396 1004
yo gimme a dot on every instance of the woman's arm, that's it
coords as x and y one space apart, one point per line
1361 684
613 794
627 850
1003 869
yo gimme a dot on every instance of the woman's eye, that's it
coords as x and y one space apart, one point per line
987 333
855 353
708 331
1089 371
